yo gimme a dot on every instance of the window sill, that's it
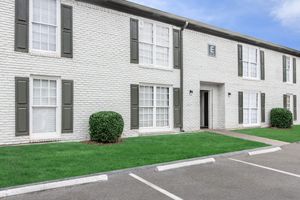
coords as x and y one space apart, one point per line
156 67
251 125
290 83
44 54
154 130
251 79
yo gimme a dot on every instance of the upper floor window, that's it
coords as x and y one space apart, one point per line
154 44
250 62
44 21
289 70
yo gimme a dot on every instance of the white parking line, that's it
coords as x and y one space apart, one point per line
165 192
268 168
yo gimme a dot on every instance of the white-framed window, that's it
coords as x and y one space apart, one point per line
251 67
251 108
289 102
289 70
45 107
44 26
154 106
155 44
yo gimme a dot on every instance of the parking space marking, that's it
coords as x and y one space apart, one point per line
163 191
264 167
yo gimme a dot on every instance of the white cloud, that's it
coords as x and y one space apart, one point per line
287 12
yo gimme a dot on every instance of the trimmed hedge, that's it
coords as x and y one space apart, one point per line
106 127
281 118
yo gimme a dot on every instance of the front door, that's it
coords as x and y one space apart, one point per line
204 111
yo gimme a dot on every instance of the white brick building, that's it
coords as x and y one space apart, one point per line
60 67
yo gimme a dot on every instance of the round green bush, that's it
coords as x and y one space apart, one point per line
281 118
106 127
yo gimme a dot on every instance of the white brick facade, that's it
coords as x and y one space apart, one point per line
102 72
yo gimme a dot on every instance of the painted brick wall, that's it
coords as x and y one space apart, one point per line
100 68
102 73
199 67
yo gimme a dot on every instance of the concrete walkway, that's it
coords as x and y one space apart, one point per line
251 137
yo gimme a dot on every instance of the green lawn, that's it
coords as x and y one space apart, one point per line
286 135
35 163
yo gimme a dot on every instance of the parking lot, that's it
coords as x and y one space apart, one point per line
273 176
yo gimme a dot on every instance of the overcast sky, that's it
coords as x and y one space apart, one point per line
275 21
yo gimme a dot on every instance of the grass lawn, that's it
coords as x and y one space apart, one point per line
35 163
286 135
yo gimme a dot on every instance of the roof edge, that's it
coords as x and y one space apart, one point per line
155 14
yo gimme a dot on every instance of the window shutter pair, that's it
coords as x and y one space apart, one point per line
22 106
22 28
241 107
240 62
294 104
134 107
134 45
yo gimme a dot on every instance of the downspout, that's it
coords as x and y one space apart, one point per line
181 73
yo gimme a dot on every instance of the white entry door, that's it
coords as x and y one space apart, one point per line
45 108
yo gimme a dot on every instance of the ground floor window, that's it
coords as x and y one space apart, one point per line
154 111
250 108
44 106
288 102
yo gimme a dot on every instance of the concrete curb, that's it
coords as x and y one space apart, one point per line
264 151
185 164
52 185
5 192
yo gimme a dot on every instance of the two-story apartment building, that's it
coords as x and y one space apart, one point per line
62 60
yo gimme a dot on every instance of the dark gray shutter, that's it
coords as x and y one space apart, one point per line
284 68
134 41
294 70
177 49
240 60
295 107
285 101
263 107
262 65
241 108
22 106
66 31
67 106
21 25
177 107
134 106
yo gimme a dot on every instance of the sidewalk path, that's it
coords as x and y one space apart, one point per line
251 137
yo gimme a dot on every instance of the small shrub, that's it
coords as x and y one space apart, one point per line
281 118
106 127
